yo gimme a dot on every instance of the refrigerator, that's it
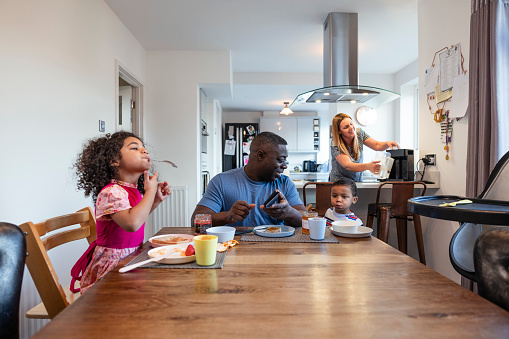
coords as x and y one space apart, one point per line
237 139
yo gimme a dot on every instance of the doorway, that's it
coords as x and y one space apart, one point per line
126 106
129 103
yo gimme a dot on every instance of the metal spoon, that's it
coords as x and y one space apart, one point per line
166 161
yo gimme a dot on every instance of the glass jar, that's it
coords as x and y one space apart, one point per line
305 217
201 223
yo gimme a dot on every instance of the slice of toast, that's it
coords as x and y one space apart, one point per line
273 230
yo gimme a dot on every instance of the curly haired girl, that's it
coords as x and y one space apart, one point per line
114 170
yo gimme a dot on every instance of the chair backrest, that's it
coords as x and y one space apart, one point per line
39 242
497 186
322 194
12 264
491 261
401 192
461 247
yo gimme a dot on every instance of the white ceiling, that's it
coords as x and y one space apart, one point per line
275 45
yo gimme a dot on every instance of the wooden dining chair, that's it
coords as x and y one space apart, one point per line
39 241
322 189
398 209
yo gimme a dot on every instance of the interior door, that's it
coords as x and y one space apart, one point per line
125 103
129 102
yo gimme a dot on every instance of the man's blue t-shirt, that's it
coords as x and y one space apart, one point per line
228 187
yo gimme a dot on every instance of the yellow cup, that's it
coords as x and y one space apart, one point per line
205 247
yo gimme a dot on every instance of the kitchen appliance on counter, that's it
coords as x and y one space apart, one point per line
237 139
403 167
309 166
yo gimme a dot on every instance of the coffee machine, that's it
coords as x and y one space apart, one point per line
403 167
309 166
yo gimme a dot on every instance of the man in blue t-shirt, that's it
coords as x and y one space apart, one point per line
236 197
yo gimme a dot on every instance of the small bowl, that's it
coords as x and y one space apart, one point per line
345 226
224 233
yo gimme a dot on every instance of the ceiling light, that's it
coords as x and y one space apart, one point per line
353 101
286 110
318 101
326 93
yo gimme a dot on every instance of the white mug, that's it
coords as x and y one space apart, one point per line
317 228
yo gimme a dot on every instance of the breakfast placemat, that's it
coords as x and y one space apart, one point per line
296 237
144 256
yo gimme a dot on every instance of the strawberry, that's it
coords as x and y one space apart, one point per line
190 250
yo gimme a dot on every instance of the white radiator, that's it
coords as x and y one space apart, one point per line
172 212
29 298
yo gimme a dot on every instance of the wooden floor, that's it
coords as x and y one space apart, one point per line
357 288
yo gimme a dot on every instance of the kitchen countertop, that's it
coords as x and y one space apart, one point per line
360 185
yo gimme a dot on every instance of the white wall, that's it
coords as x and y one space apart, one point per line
406 80
57 63
173 81
454 27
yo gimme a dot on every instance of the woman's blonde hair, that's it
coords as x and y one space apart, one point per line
338 140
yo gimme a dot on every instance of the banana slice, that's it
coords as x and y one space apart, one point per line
459 202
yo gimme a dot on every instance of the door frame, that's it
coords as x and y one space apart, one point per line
138 125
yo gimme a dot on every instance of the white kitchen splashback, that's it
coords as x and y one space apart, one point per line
309 176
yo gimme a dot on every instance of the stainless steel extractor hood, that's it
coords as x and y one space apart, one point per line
340 70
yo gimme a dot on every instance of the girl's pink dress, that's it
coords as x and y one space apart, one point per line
113 243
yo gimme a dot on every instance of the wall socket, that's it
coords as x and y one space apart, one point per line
101 126
431 159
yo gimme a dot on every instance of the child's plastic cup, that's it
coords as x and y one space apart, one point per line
205 247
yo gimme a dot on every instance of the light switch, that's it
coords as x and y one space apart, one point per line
101 126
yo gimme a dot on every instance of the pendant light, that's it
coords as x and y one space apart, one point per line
286 110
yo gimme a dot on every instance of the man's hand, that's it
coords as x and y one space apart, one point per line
280 210
239 211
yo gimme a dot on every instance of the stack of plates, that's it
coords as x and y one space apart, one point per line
361 232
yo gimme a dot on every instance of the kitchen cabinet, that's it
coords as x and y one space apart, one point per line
301 133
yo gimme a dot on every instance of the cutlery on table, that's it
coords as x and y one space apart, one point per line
144 262
251 231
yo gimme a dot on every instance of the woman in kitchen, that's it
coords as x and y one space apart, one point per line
347 149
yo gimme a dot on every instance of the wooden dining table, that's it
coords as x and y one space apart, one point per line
359 288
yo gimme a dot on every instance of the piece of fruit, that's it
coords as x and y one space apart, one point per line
232 243
189 250
221 247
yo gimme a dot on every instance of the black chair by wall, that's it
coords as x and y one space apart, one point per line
491 262
461 247
12 264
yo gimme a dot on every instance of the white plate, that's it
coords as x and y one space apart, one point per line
185 236
286 231
362 232
174 260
